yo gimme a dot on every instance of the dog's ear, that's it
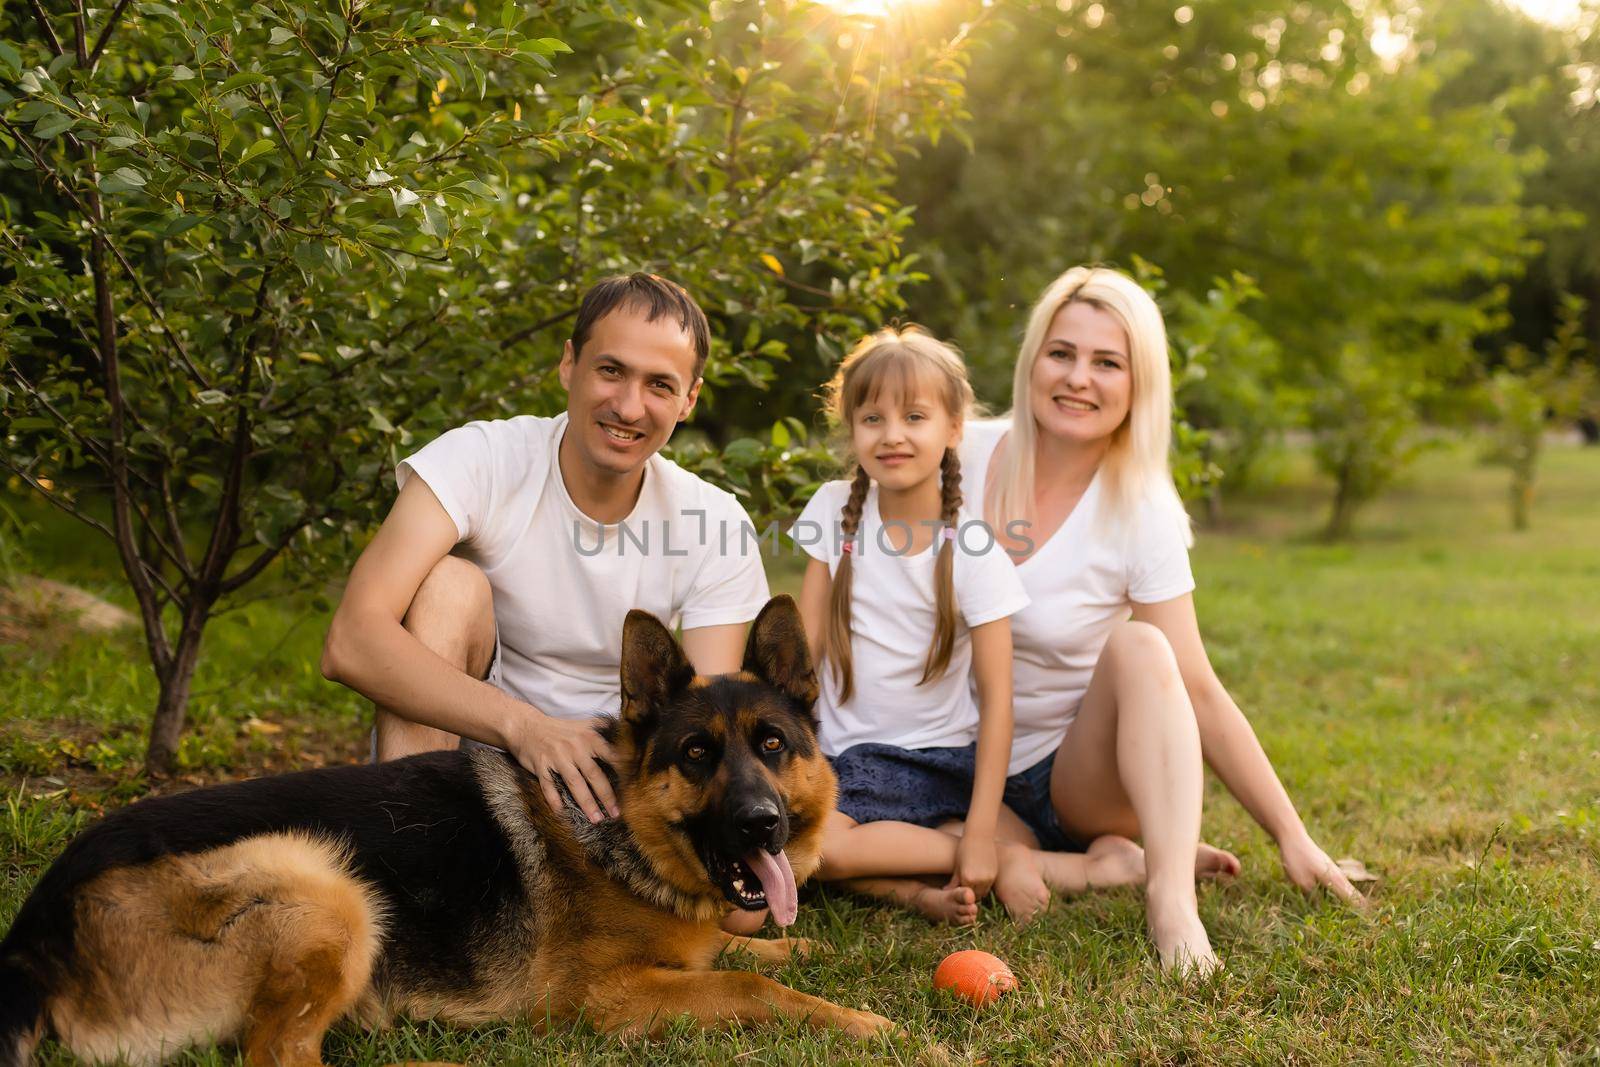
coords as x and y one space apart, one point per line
654 668
777 652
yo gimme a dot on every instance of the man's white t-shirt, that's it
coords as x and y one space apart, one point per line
892 621
562 582
1080 583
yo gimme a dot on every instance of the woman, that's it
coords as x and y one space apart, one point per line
1116 704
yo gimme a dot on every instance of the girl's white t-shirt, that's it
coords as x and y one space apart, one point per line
892 621
1080 583
563 583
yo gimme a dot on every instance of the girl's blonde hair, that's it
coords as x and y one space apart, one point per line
896 362
1136 463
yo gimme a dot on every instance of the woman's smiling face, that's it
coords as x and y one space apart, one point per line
1082 378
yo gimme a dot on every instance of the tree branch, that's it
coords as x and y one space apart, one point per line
224 538
80 33
105 33
528 331
127 547
97 229
56 500
43 18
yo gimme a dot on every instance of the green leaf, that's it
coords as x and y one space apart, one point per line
280 34
10 58
182 224
181 73
131 176
260 148
243 80
212 396
53 125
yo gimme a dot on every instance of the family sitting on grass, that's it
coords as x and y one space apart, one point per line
1014 687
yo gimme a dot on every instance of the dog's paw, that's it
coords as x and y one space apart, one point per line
775 949
801 948
865 1024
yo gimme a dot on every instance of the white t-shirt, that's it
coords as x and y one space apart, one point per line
892 622
1080 583
562 582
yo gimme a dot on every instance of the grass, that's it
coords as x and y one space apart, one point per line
1428 693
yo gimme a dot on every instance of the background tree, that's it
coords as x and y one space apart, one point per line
1529 391
253 250
1236 137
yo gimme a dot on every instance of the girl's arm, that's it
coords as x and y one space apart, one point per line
1232 750
976 858
814 590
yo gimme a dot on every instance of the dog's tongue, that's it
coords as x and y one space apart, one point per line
777 881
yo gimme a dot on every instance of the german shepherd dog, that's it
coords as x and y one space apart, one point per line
443 887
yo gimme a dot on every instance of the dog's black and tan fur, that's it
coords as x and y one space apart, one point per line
441 886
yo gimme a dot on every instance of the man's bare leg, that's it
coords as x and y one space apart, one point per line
453 615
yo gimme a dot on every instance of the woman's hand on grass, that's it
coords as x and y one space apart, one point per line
1309 867
977 863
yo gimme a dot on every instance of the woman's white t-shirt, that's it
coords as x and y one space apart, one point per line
1080 583
563 583
892 621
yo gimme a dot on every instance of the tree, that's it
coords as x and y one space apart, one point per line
1222 138
253 250
1526 393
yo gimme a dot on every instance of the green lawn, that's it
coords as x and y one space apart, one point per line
1429 693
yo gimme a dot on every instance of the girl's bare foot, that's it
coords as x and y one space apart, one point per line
1021 883
1213 862
1180 937
957 905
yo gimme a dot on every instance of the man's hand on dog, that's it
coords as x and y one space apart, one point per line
571 750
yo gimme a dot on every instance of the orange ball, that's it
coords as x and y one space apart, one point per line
974 976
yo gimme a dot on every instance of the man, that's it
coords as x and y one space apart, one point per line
489 605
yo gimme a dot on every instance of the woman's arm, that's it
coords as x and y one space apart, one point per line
976 857
1232 750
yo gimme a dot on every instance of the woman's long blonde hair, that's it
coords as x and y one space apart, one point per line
1135 465
896 361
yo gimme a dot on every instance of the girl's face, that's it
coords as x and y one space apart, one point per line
900 441
1082 378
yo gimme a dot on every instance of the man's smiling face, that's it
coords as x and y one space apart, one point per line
631 385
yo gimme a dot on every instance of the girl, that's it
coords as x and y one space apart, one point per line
904 596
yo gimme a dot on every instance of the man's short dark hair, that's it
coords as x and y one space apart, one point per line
651 294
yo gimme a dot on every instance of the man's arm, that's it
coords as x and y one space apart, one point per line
369 650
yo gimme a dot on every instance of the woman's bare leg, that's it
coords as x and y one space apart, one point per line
1131 765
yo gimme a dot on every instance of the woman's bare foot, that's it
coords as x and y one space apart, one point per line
1180 937
1213 862
1112 860
1021 883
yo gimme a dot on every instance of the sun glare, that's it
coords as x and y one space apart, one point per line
1552 12
869 9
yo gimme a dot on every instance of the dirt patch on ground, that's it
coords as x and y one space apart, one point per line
32 608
